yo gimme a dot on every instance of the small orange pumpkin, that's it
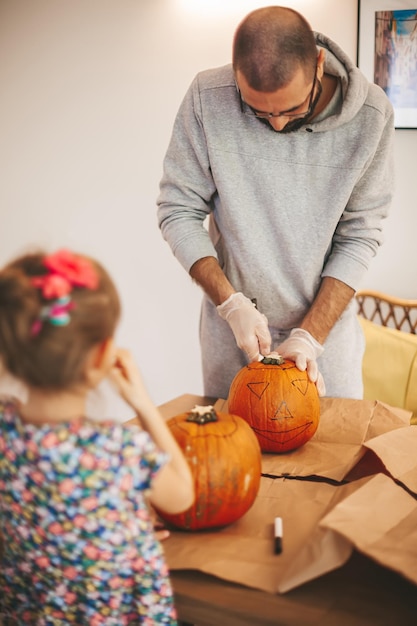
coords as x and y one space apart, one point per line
225 461
278 401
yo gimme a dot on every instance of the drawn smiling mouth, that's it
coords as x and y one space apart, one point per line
284 435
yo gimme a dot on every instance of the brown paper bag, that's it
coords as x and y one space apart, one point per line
385 531
398 452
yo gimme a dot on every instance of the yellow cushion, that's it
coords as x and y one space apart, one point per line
390 366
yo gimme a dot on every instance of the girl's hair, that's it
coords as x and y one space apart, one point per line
270 45
53 358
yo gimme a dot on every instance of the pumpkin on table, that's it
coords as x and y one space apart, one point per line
278 401
225 459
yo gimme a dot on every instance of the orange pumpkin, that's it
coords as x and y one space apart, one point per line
225 460
278 401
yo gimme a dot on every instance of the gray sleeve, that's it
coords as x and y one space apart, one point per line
187 186
359 232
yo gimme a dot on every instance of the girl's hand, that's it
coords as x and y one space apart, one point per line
127 379
173 487
161 532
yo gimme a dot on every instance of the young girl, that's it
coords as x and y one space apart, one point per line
79 546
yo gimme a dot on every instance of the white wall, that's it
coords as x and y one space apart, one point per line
89 91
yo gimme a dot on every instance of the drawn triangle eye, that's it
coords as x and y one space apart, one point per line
258 389
301 384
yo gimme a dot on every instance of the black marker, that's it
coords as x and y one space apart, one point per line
278 535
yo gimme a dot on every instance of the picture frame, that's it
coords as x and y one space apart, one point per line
387 53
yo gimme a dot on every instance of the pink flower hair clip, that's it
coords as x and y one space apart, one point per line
66 271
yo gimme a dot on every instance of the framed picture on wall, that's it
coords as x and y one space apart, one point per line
387 53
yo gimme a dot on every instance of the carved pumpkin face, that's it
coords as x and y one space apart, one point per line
225 459
278 401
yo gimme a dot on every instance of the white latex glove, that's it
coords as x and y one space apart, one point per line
304 350
249 326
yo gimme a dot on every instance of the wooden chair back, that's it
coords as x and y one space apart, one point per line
387 310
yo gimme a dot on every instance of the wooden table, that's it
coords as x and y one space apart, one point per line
361 593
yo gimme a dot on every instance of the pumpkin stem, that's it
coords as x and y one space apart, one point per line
202 415
273 361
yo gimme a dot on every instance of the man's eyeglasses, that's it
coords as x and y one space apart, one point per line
248 110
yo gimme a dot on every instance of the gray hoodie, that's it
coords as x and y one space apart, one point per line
289 208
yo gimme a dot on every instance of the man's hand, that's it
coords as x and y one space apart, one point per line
249 326
304 350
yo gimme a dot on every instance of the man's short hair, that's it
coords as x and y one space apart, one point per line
270 45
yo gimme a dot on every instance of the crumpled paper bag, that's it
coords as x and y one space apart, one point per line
397 450
386 530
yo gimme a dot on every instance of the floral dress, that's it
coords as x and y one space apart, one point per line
79 545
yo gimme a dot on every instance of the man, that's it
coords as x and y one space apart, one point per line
290 153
